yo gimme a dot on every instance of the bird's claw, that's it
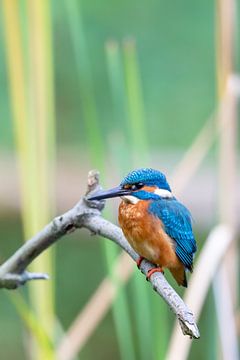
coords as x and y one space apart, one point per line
152 271
139 261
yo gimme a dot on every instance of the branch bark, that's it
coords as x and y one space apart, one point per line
87 214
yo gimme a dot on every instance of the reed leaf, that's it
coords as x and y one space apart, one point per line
86 86
123 107
97 156
30 320
138 141
118 151
42 147
34 134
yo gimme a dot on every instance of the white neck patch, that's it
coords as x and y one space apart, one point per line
130 199
163 193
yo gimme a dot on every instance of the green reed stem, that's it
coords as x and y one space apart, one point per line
144 307
33 126
98 156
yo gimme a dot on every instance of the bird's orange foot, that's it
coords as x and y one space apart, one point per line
152 271
139 261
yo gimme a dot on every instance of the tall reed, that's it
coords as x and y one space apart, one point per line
31 88
139 149
130 126
98 155
42 148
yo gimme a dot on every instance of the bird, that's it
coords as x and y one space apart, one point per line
155 223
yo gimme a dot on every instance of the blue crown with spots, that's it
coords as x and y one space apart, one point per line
147 176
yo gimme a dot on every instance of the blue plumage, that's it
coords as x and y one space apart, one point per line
147 176
147 190
175 217
176 220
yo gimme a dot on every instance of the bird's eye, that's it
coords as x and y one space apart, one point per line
133 187
137 186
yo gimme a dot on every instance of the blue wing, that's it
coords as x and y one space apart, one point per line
177 223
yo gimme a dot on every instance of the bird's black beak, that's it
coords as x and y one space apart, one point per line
118 191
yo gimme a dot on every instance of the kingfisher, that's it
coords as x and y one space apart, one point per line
155 223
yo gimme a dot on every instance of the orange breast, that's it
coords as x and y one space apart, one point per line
146 235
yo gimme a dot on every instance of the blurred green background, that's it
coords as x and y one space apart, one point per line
176 55
113 85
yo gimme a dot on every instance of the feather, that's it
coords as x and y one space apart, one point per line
177 223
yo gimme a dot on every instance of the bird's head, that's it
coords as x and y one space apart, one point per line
140 184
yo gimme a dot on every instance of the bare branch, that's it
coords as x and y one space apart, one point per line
87 214
215 248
